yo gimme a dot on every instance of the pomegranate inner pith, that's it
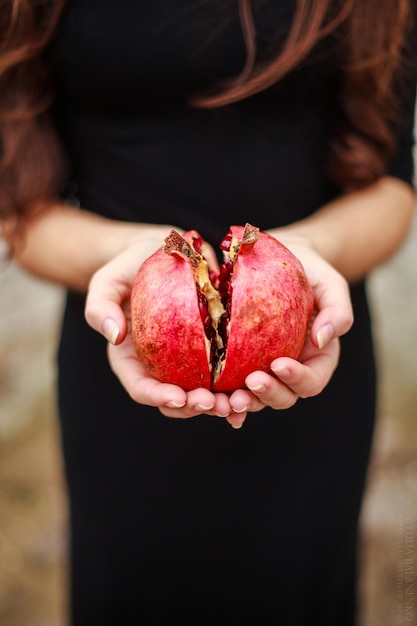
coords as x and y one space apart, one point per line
214 291
223 284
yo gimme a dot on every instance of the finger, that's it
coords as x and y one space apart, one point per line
335 313
110 288
222 406
271 391
180 413
240 402
236 420
103 306
309 378
139 385
201 401
330 323
243 401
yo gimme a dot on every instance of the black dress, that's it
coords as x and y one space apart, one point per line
189 521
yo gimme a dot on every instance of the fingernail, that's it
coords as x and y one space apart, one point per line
111 330
175 405
203 407
258 389
324 335
282 372
242 410
235 422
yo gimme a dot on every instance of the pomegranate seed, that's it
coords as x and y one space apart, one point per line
226 242
202 305
226 269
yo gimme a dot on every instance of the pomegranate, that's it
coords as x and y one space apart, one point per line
195 328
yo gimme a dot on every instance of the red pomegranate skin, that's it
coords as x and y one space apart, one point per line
272 303
166 324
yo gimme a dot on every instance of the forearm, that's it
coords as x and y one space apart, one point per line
67 245
354 233
357 232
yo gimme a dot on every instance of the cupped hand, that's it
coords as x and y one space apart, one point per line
292 379
107 310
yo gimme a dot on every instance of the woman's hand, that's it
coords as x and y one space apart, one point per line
293 379
107 310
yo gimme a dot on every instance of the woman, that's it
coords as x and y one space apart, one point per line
296 117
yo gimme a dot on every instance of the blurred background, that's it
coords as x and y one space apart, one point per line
33 505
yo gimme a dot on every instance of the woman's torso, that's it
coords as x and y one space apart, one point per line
139 151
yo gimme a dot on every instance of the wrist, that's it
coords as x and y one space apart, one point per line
290 237
122 235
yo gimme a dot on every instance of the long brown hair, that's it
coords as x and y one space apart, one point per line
370 37
31 165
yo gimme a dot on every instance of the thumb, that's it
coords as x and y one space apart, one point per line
108 296
104 307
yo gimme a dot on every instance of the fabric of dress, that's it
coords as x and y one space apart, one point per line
189 521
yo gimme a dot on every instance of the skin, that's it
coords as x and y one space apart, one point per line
338 244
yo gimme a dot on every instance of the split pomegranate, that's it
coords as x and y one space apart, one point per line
195 328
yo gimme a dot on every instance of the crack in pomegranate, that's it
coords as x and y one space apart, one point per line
211 304
214 292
